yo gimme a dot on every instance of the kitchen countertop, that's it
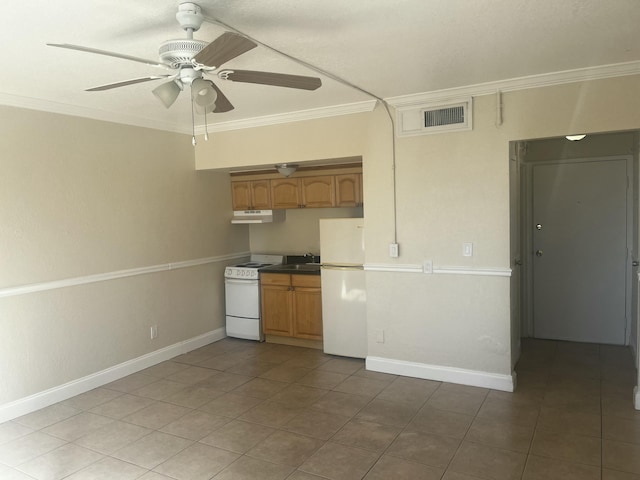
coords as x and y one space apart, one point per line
297 268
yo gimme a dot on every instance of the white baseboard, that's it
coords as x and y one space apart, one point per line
636 398
29 404
439 373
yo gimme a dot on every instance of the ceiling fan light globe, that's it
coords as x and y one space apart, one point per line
167 93
204 93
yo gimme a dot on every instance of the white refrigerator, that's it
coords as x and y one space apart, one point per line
344 296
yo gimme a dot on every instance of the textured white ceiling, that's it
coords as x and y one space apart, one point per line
387 47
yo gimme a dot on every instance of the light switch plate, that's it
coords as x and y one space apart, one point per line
394 250
467 249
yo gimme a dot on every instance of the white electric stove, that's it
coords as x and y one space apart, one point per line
242 296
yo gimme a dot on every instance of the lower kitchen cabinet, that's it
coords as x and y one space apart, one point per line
291 305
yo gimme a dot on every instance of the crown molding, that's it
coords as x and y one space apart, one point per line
519 83
509 85
312 114
94 114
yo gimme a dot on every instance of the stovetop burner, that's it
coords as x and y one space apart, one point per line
253 265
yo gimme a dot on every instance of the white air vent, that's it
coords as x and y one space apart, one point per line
444 117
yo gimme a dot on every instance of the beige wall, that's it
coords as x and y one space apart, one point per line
451 188
81 198
298 234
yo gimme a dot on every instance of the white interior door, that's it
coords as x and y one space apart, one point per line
580 251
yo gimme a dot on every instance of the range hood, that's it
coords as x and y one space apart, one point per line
257 216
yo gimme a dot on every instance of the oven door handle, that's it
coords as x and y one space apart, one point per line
233 281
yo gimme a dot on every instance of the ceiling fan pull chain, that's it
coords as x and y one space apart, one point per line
193 121
206 127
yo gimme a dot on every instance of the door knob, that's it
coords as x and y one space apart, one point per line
539 253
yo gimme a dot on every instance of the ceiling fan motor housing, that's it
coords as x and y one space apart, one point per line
180 52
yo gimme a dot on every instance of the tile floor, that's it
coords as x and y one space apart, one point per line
238 410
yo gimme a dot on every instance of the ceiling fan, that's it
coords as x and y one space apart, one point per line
192 59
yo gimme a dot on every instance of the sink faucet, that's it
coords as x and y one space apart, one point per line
311 256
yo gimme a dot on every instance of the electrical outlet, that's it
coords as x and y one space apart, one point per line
154 331
394 250
427 266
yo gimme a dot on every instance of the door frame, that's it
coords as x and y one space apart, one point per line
527 237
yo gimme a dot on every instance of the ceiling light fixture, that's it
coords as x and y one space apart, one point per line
286 169
167 93
203 97
575 138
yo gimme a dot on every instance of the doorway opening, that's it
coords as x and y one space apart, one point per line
574 239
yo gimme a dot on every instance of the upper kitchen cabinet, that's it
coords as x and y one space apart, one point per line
312 192
318 192
348 190
251 195
336 185
285 193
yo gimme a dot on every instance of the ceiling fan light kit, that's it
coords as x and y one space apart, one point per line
286 169
193 60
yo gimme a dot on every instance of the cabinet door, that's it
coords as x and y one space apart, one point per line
318 192
307 313
261 194
285 193
276 310
349 190
241 195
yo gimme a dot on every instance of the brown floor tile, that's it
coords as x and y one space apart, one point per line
159 390
387 413
366 435
194 396
225 381
322 379
130 383
621 429
112 437
192 375
361 386
238 436
271 414
197 462
164 369
25 448
315 424
500 435
252 368
298 396
246 468
92 398
47 416
619 406
347 366
568 421
260 388
441 422
157 415
569 447
152 450
285 373
230 405
411 391
285 448
517 413
540 468
616 475
391 468
108 468
299 475
122 406
344 404
337 462
195 425
434 450
459 402
60 463
621 456
488 462
574 400
77 426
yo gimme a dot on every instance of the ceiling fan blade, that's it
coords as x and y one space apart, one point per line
270 78
80 48
133 81
222 103
227 46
